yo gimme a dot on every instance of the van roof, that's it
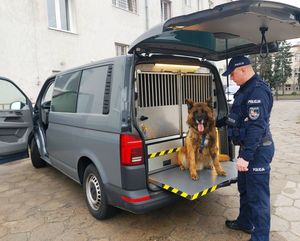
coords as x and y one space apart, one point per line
94 63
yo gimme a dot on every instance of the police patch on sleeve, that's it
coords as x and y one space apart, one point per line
254 112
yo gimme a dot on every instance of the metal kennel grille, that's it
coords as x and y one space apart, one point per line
196 87
157 89
162 112
161 89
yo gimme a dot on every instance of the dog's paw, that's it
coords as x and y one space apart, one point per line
221 173
195 177
181 168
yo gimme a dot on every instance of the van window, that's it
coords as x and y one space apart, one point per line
11 98
48 94
65 92
91 91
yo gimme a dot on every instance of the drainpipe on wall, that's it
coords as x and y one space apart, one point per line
147 14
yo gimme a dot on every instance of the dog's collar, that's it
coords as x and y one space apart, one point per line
202 144
203 139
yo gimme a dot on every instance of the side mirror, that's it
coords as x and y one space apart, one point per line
17 105
46 105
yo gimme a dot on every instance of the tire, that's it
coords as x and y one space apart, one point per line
95 195
36 159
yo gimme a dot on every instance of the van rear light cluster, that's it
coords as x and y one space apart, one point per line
135 200
131 150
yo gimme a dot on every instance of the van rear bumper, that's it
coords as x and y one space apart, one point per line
157 199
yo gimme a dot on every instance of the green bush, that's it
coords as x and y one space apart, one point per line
294 93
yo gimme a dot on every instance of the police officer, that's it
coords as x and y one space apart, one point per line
248 127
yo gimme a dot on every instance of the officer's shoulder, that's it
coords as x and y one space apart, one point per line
260 90
260 83
262 86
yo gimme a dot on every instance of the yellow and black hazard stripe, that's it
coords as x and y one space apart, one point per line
164 152
188 196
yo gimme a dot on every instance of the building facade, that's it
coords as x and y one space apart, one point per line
292 84
39 38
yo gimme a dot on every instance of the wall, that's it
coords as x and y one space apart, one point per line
30 51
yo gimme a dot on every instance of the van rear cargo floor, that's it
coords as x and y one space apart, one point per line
180 182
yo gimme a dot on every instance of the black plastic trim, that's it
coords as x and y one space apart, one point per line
227 183
157 199
14 157
107 91
133 177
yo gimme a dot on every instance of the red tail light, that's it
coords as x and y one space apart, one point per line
135 200
131 150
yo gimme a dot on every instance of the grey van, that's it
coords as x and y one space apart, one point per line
115 126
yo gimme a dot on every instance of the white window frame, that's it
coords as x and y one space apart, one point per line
188 3
121 46
59 20
163 12
118 4
297 57
211 4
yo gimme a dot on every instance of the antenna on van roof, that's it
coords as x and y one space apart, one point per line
263 43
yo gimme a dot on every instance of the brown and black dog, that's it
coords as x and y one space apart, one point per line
200 148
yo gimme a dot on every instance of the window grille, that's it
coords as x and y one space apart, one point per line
129 5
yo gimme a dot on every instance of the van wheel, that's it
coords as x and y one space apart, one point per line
36 159
95 195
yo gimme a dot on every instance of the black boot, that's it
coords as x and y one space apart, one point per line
233 224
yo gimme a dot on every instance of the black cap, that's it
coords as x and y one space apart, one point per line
236 62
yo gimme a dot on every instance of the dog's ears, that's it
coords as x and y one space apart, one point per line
209 103
189 103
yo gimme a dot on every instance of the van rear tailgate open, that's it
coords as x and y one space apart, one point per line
180 182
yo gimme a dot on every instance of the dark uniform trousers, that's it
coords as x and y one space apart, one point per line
255 195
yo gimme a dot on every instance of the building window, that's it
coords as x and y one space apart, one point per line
297 57
60 14
121 49
129 5
165 9
187 2
287 86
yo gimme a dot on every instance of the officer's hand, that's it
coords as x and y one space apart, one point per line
221 122
242 165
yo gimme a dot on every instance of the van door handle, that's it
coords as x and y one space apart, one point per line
143 118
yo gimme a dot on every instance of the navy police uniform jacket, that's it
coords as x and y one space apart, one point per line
248 121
